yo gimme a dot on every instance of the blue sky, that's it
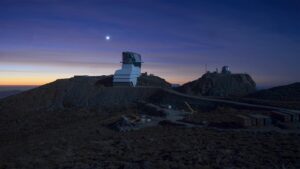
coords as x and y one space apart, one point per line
42 40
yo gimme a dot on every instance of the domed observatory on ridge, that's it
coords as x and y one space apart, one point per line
131 70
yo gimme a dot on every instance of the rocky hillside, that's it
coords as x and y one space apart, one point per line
92 93
282 93
79 92
152 80
221 85
64 124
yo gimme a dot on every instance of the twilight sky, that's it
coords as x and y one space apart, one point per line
42 40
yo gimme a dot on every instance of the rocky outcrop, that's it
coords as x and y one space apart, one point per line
220 85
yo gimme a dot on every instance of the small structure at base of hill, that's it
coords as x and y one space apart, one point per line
254 120
131 70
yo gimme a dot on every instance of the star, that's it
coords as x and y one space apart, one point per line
107 37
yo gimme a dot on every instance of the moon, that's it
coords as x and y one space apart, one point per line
107 37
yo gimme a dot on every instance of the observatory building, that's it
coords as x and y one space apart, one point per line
225 70
131 70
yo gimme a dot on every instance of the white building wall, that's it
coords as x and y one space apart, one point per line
128 74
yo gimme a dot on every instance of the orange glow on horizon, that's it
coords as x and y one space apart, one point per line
37 81
15 79
29 79
25 81
43 73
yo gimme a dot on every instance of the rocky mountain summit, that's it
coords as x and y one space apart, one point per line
82 92
220 85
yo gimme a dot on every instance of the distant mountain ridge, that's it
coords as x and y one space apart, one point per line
4 94
289 92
